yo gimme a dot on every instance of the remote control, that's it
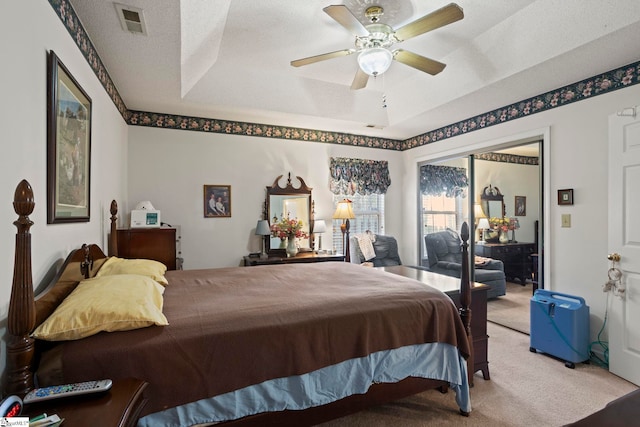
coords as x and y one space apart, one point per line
67 390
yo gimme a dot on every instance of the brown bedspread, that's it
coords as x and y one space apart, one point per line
233 327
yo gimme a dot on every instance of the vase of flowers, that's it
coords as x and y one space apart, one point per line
502 226
289 229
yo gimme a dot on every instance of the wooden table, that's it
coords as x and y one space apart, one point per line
451 287
118 407
302 257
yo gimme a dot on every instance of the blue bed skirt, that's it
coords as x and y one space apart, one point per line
437 361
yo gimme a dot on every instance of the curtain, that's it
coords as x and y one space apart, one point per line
351 176
435 180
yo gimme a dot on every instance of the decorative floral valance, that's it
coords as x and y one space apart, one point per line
351 176
435 180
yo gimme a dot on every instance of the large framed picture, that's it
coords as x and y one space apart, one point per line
217 201
68 146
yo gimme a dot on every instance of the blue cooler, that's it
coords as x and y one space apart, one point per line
560 326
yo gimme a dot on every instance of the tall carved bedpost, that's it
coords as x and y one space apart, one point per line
465 296
113 236
22 311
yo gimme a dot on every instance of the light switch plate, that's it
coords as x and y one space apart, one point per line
566 220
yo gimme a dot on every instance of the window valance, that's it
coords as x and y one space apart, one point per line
351 176
435 180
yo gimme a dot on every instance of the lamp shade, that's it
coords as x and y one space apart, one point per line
262 228
375 61
483 224
344 210
319 226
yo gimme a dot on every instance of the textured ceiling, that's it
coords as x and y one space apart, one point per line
231 60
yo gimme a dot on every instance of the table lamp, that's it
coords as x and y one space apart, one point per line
263 229
483 224
319 227
345 213
514 224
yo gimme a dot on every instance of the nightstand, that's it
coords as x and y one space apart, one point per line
302 257
451 286
118 407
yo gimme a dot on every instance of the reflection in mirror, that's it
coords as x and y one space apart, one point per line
492 202
292 203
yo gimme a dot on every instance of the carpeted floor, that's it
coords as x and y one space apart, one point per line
526 389
511 310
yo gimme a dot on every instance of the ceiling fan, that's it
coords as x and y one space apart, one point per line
374 40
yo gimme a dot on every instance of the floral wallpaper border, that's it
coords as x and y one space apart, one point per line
619 78
200 124
604 83
508 158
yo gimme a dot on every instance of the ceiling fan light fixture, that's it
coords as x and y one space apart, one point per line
375 61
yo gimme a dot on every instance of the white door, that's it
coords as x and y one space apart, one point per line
624 239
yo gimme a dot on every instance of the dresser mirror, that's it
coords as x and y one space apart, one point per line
492 202
288 202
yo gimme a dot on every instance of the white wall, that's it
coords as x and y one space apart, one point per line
24 142
170 167
577 138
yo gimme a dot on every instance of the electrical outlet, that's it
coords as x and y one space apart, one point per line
566 220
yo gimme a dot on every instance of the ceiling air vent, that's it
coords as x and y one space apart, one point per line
131 18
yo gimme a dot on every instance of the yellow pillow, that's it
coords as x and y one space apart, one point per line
143 267
110 303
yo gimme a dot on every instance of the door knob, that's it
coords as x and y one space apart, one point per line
615 257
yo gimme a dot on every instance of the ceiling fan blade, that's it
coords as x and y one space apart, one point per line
418 62
441 17
324 56
360 80
344 17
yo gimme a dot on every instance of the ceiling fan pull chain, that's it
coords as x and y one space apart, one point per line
384 94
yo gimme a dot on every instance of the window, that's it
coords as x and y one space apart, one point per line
443 190
369 212
439 213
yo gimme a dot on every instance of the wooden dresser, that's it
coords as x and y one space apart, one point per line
149 243
516 258
451 287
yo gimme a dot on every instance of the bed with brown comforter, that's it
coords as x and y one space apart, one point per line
233 331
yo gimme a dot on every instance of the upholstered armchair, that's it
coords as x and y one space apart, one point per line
385 248
445 255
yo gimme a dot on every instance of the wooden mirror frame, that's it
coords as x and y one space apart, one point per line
275 190
492 194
